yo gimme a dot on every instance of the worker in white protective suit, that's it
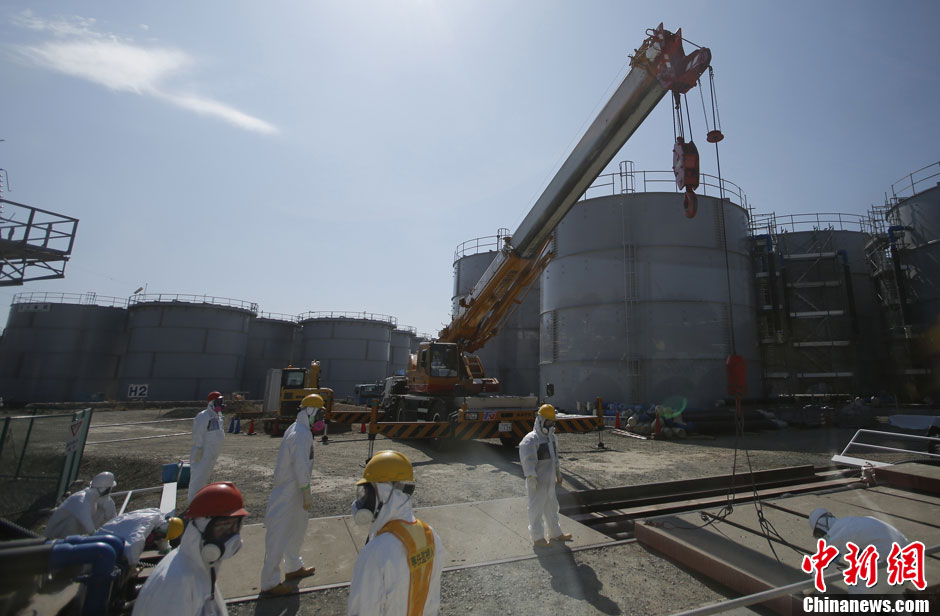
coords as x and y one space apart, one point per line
289 506
863 532
141 528
398 572
86 510
207 443
184 582
538 453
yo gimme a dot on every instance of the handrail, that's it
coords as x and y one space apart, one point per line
835 221
627 180
334 314
407 329
278 316
843 459
477 245
174 298
902 192
84 299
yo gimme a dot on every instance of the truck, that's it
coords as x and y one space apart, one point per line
444 381
284 389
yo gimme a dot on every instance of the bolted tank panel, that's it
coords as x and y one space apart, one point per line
351 350
182 348
402 340
512 355
831 338
271 343
919 248
635 305
63 349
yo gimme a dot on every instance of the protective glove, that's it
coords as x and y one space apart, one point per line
531 484
197 456
308 498
558 476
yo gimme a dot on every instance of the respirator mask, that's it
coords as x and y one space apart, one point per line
316 421
221 539
369 500
218 405
546 426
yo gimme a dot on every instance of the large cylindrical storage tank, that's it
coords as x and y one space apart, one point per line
512 355
834 340
918 236
181 347
61 347
271 342
400 349
471 258
352 347
635 304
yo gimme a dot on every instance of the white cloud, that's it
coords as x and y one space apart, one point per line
121 65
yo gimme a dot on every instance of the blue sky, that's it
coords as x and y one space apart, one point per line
331 155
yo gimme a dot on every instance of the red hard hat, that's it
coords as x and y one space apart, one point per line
213 395
220 499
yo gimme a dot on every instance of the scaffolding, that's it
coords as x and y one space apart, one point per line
808 328
35 244
885 255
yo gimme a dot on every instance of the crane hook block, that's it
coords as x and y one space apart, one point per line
714 136
685 164
690 203
736 368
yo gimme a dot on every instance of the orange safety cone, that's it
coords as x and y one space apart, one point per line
617 421
251 428
362 428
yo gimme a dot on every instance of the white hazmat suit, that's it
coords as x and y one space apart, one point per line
863 532
134 528
538 453
81 514
207 443
181 584
287 514
382 577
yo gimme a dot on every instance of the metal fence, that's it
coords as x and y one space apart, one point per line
39 459
182 298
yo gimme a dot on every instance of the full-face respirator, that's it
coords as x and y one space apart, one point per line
369 501
221 539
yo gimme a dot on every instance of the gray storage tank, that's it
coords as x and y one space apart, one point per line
635 304
402 341
181 347
62 347
829 338
512 355
352 347
272 339
915 220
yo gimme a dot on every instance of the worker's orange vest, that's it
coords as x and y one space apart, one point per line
418 541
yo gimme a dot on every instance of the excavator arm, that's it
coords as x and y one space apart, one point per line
657 67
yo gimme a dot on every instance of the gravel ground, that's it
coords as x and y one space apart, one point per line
624 579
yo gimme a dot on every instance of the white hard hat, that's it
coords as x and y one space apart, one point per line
817 515
104 480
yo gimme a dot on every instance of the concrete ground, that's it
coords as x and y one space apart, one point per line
625 578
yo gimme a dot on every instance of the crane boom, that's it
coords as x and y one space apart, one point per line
657 67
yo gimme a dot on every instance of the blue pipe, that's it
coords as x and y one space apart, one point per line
102 553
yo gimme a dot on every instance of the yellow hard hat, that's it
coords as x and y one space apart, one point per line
387 466
313 400
174 529
547 411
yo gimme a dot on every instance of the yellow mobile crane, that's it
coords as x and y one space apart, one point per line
445 385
